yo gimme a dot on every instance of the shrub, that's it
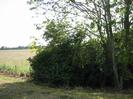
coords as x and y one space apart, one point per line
68 65
51 66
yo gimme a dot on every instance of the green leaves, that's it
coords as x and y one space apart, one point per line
114 1
56 32
73 1
92 25
121 10
105 19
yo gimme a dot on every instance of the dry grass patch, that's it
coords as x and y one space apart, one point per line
15 61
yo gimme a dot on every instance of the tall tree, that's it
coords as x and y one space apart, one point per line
100 21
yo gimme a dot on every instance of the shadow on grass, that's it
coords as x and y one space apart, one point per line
27 90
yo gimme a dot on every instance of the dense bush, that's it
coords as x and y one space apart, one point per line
51 65
69 65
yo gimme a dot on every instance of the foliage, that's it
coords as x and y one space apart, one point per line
74 61
99 47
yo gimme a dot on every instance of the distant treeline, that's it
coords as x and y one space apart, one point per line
14 48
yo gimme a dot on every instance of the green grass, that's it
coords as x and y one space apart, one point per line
16 88
15 61
15 69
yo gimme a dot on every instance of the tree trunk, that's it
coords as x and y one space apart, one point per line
115 67
121 82
111 44
127 25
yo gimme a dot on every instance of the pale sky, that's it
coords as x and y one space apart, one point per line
16 23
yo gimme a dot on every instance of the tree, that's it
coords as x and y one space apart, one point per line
99 7
100 18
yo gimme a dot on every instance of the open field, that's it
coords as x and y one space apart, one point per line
16 88
12 60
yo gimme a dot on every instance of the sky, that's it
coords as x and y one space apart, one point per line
16 23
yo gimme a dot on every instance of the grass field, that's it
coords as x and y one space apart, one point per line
16 88
15 60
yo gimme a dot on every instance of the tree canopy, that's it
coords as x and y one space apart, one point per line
87 39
